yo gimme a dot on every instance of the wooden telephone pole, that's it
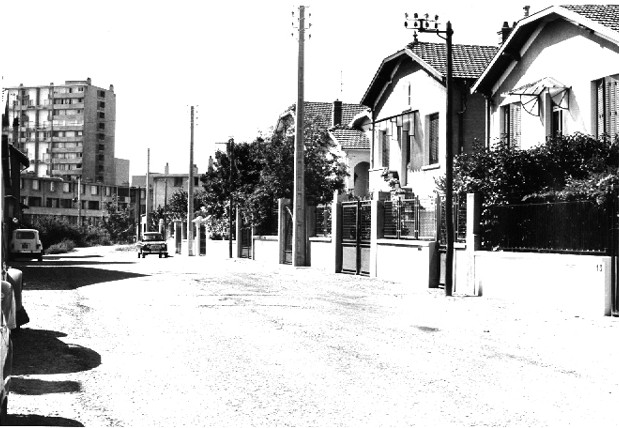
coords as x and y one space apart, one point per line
299 239
190 192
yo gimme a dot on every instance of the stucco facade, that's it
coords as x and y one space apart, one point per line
566 55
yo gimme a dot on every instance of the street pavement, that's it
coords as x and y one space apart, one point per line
207 341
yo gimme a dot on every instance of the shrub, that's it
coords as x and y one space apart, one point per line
65 246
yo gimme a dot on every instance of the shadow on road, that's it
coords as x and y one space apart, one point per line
39 387
41 352
40 421
59 277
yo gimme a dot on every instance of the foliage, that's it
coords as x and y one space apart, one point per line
65 246
568 167
54 229
177 207
262 172
119 224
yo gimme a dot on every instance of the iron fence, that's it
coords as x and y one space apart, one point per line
322 220
560 227
410 219
459 219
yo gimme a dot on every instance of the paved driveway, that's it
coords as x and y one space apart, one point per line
205 341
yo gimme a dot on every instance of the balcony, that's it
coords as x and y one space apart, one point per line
66 171
67 139
69 95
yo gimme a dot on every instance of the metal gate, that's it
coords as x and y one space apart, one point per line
202 237
356 233
246 242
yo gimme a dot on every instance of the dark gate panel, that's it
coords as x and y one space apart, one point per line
202 237
356 234
287 235
246 242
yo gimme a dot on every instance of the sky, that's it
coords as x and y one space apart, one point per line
234 61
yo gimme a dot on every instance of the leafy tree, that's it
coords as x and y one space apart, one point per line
263 171
118 224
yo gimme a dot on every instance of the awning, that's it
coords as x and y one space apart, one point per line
531 92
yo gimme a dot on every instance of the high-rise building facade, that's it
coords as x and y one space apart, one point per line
66 131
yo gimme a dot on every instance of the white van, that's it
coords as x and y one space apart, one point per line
25 243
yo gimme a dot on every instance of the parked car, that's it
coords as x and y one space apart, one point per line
25 243
6 347
152 243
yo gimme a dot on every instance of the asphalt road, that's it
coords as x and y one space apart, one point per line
205 341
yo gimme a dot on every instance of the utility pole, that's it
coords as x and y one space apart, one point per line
190 192
299 240
423 25
230 148
146 226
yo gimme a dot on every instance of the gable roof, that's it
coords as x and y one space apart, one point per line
469 61
603 20
606 15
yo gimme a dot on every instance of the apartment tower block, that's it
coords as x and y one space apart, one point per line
66 131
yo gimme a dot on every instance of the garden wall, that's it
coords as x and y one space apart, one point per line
579 284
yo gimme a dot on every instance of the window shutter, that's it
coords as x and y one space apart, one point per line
514 124
600 108
612 109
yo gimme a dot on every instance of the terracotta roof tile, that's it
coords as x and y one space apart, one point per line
351 138
607 15
323 112
469 61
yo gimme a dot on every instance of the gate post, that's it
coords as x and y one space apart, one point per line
336 233
376 233
473 238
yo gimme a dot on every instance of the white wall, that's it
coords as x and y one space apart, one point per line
573 57
575 283
427 97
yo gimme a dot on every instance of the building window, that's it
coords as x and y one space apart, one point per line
34 201
510 124
178 181
410 100
101 115
101 147
66 187
433 139
384 137
101 127
196 181
35 184
108 191
556 121
94 190
101 94
608 107
52 186
101 104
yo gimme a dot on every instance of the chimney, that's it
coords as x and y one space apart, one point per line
526 11
337 112
167 169
505 31
111 88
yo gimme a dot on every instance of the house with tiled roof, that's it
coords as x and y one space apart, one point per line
556 73
344 124
407 98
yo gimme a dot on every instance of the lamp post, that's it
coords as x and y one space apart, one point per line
426 25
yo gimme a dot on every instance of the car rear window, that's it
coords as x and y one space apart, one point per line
155 237
24 235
